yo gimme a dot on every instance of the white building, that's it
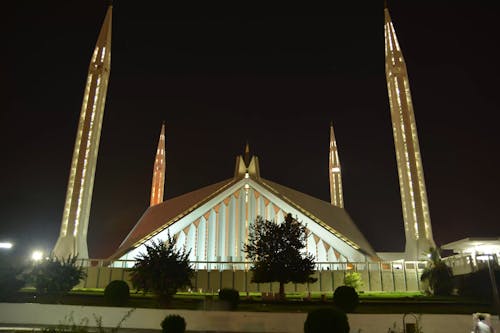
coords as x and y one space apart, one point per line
213 222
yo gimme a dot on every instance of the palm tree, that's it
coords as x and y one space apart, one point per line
437 274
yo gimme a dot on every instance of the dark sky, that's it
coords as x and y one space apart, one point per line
275 80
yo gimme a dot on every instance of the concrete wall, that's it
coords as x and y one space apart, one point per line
327 280
218 321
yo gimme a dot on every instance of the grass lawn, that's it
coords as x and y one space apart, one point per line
370 302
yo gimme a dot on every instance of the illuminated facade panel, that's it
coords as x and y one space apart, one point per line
158 184
73 235
336 195
416 216
213 222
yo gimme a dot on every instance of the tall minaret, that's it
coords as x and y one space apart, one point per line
158 184
336 196
411 174
73 236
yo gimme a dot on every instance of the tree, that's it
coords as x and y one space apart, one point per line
162 270
438 275
54 277
353 279
11 279
275 250
326 320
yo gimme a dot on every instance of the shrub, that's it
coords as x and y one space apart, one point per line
54 278
117 293
353 279
326 320
162 269
173 324
437 275
346 298
10 278
230 296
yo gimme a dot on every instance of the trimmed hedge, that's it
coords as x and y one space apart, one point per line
346 298
230 296
173 324
326 320
117 293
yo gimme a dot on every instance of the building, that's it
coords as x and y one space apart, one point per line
472 254
213 222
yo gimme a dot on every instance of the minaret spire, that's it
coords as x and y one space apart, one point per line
246 155
73 235
411 174
336 195
158 184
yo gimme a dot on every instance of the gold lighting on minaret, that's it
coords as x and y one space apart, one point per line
411 174
336 196
73 235
158 184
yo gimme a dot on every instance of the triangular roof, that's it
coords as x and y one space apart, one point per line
333 218
159 217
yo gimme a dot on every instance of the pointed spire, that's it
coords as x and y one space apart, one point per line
416 215
105 33
336 195
73 235
246 155
158 183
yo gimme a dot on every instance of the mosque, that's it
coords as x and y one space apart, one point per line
213 222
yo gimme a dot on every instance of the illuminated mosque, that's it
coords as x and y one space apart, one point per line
213 222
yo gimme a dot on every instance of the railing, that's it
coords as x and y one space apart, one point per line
246 265
210 275
467 263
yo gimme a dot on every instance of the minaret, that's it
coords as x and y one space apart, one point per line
73 235
336 196
158 184
411 174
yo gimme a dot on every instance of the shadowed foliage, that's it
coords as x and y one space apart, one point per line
173 324
275 250
117 293
11 279
326 320
346 298
438 276
163 269
54 277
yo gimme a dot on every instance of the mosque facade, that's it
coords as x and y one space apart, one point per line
213 222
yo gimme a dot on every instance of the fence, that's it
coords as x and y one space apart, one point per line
376 276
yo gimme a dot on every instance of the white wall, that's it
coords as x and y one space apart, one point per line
220 321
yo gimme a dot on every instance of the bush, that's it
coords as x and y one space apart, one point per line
54 278
117 293
230 296
346 298
162 269
326 320
10 278
437 275
173 324
353 279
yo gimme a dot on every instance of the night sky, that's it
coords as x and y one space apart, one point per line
276 80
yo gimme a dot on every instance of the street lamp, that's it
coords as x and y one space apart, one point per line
37 255
6 245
